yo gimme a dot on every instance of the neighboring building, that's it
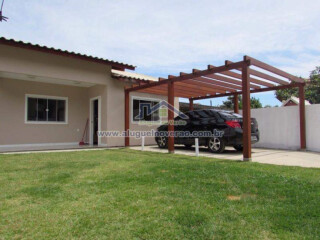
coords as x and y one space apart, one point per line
293 101
184 107
47 95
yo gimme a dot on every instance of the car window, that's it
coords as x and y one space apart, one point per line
226 114
192 115
211 113
202 114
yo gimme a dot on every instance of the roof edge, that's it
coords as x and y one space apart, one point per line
65 53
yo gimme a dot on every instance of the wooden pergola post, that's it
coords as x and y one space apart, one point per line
236 103
302 113
170 117
190 104
127 118
246 108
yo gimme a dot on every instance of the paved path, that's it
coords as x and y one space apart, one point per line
268 156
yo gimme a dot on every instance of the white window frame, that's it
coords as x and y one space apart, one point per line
145 99
26 121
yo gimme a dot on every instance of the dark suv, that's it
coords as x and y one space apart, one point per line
227 124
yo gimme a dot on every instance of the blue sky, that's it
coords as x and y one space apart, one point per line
167 37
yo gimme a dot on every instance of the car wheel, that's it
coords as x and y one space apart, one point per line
188 146
162 142
239 148
216 145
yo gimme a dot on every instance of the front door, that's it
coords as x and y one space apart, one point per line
95 119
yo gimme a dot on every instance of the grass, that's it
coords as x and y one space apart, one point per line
126 194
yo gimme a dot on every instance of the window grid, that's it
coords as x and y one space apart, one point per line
59 118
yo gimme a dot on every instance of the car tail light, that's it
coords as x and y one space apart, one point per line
233 124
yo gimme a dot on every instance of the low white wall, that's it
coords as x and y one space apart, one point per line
313 127
279 127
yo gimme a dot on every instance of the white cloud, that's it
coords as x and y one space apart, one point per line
165 37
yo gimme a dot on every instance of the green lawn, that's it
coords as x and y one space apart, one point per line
126 194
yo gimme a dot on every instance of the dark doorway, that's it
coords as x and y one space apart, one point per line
95 121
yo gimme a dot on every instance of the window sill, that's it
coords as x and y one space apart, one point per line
48 123
146 122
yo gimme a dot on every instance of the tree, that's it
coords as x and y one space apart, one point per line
255 103
312 90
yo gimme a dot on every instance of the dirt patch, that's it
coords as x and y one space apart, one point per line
233 198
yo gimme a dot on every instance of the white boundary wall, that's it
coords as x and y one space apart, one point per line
279 127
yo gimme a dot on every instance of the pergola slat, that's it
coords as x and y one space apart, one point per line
293 85
204 83
267 77
195 74
177 93
192 85
272 69
252 80
230 80
186 91
218 83
185 87
263 75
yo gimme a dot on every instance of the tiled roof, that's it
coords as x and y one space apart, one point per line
295 100
132 76
36 47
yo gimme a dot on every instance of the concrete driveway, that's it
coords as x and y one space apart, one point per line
268 156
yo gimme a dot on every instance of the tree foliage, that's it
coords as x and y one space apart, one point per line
312 90
228 104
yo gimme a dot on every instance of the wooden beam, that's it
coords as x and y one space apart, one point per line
191 75
220 83
267 77
272 69
252 80
126 118
252 91
230 80
236 103
264 75
302 114
198 87
180 92
246 110
170 117
201 85
185 88
190 104
165 93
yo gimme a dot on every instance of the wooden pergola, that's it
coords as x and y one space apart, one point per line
231 79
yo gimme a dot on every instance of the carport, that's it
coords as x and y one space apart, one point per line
231 79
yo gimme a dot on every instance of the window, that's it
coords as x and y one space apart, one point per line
45 109
146 106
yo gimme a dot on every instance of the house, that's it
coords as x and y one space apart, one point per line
185 107
293 101
47 95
